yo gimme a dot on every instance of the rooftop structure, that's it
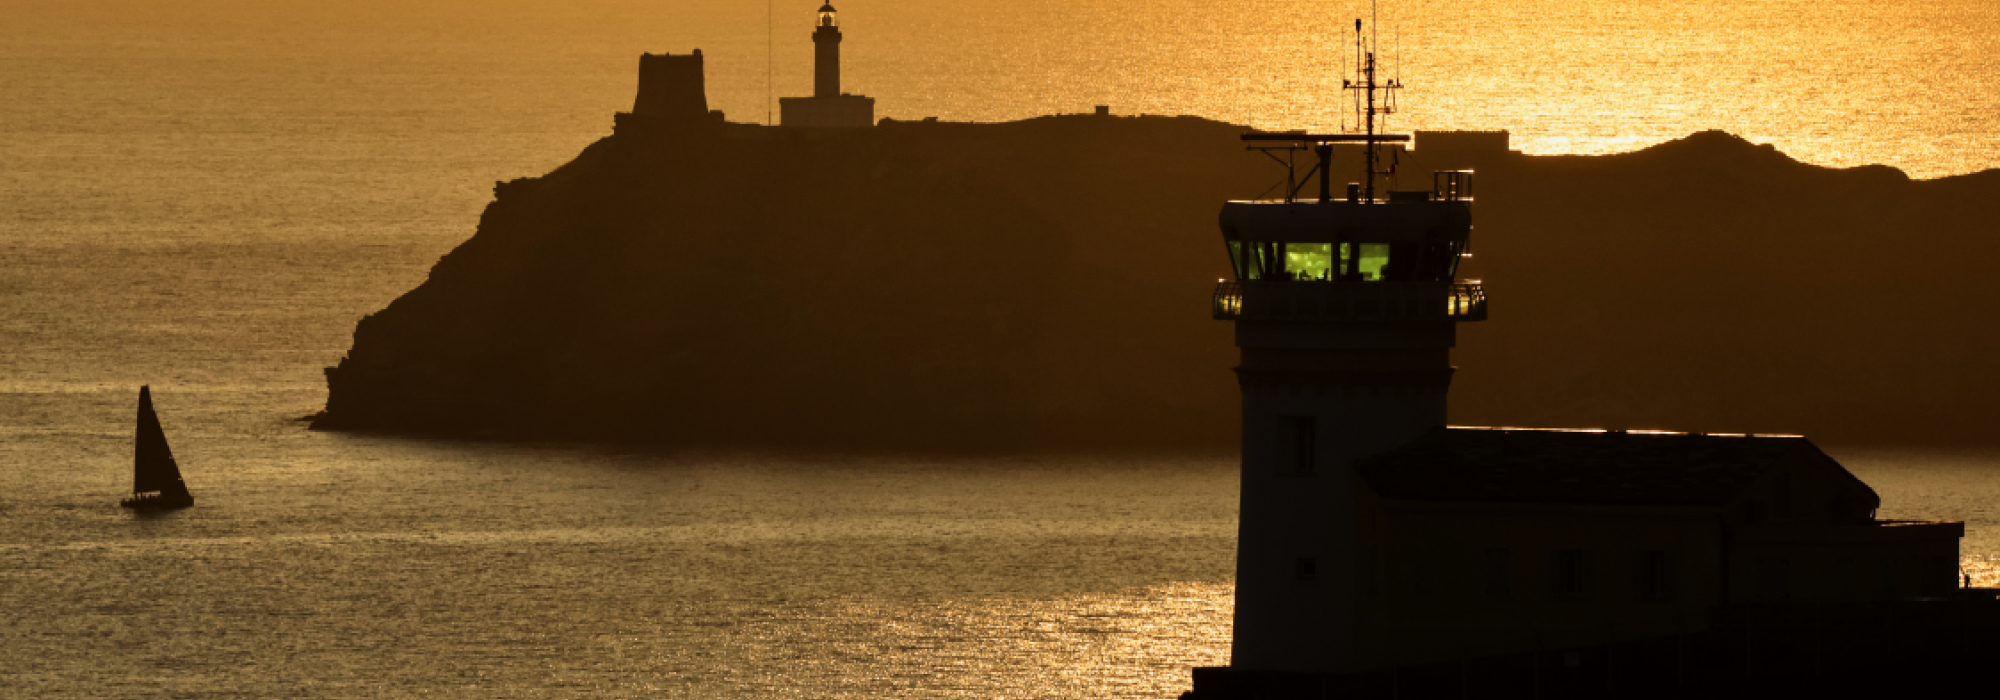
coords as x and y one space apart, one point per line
1596 467
1510 540
671 86
672 94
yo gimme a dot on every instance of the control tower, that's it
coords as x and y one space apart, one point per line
1346 307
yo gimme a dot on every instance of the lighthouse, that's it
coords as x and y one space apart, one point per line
1346 307
826 54
828 107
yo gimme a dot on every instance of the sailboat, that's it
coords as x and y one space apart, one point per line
156 479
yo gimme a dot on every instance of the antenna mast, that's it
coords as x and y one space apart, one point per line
1366 86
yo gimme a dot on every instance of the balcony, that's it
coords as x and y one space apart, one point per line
1354 301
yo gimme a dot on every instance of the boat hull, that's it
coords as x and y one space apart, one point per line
158 501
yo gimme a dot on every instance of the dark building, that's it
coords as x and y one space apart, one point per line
672 91
1506 540
1373 538
671 86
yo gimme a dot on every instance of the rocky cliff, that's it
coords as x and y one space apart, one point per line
1044 284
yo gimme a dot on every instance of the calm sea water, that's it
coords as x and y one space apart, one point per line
204 196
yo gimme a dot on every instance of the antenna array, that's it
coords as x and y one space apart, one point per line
1374 100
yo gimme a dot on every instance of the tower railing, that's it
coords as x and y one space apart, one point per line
1351 301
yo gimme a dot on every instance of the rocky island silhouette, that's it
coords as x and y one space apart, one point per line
1039 284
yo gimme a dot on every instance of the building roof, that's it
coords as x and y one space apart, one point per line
1591 467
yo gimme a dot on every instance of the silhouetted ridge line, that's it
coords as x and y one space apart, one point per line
1024 284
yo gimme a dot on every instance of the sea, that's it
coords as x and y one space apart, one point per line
204 196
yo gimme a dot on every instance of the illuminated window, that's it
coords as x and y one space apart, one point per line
1255 260
1309 262
1374 257
1244 266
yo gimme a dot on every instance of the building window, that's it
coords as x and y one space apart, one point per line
1309 262
1773 579
1374 257
1499 574
1249 259
1308 569
1295 444
1572 574
1656 575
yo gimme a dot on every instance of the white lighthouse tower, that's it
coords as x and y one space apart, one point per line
1346 309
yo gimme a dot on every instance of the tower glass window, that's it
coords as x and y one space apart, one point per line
1243 256
1258 260
1310 262
826 18
1374 257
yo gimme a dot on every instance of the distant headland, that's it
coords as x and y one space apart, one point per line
1042 284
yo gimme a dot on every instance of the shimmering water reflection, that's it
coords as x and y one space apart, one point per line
335 566
1136 643
329 566
206 195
